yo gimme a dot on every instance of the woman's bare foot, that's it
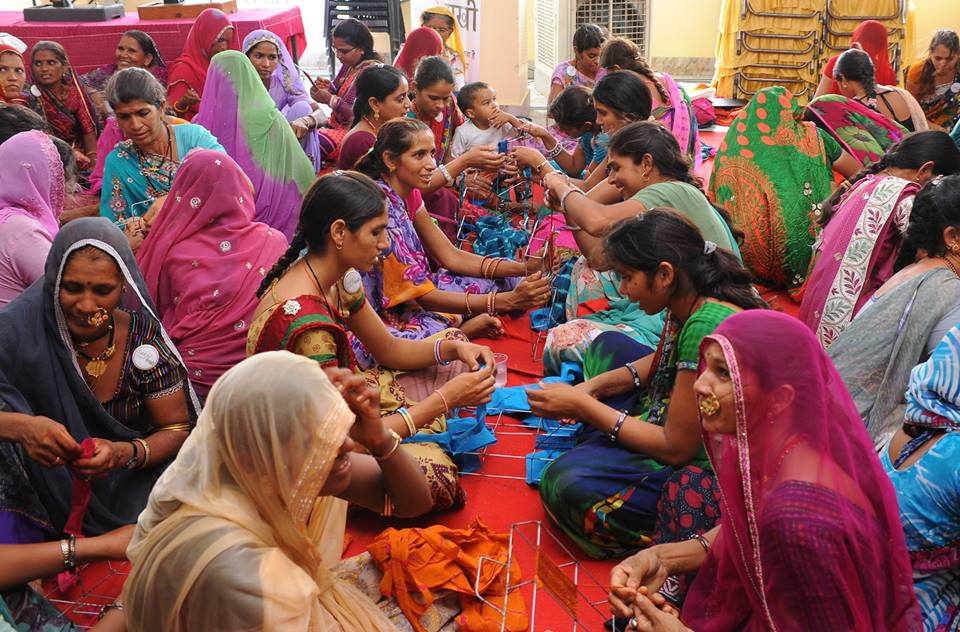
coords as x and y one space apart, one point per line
482 326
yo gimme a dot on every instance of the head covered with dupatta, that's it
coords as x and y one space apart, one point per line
238 519
32 180
40 376
286 74
810 532
238 110
191 66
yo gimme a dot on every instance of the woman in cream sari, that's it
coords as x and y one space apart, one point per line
244 529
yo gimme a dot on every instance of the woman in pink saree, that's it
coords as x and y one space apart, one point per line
203 260
810 535
865 226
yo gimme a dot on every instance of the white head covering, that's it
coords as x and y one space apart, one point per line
235 535
8 42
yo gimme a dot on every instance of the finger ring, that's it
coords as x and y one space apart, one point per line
56 461
634 624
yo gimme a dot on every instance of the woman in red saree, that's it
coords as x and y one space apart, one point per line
809 535
211 33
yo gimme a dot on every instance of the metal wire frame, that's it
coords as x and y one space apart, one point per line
89 605
534 540
740 77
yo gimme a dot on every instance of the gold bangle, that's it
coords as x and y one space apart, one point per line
182 427
446 406
539 167
146 452
408 419
393 450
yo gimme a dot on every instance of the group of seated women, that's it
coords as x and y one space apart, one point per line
276 346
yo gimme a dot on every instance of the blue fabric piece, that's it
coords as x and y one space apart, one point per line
571 372
513 399
537 462
464 437
562 437
546 317
495 237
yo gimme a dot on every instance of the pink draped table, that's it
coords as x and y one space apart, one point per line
92 44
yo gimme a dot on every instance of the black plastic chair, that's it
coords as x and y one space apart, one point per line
383 16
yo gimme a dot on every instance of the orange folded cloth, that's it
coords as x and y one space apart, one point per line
417 563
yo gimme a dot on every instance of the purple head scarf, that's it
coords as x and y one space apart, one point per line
32 181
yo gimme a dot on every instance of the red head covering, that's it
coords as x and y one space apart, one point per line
422 42
810 535
191 66
872 38
204 260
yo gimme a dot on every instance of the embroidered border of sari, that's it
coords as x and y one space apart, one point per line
297 315
853 261
863 133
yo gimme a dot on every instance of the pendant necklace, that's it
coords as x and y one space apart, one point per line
97 365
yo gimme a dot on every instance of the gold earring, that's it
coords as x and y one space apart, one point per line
954 248
339 245
99 317
709 405
376 115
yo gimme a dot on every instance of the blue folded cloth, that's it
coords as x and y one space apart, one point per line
513 399
537 462
464 437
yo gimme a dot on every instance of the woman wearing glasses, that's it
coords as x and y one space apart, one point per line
353 44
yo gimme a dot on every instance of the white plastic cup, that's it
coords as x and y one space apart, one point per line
501 377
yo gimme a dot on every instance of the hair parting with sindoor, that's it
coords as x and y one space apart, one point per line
341 195
663 235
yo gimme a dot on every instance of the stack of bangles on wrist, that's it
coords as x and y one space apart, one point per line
563 198
446 174
68 549
556 151
437 356
488 267
492 303
408 420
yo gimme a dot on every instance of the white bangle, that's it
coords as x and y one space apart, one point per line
556 151
563 198
446 174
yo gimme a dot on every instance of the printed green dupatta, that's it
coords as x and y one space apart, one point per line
772 174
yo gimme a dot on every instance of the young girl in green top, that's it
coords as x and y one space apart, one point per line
638 403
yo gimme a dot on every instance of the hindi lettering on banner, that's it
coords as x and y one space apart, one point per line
467 15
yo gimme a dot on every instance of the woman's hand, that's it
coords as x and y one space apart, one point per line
46 441
484 157
106 457
470 354
83 161
527 156
641 570
532 291
300 128
136 231
472 388
557 183
190 97
364 401
556 401
320 91
651 617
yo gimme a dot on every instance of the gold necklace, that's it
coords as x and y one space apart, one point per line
950 265
97 365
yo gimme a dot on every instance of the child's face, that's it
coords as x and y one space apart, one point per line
589 61
484 105
432 100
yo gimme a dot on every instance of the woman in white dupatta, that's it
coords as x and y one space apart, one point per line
244 528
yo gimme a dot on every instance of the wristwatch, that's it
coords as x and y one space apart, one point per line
134 460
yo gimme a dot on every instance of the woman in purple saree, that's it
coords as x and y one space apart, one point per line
859 244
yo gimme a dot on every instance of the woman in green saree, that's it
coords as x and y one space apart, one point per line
772 172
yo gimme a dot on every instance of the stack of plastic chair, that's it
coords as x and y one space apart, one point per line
842 16
383 16
769 43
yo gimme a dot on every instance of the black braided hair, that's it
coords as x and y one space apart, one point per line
341 195
619 52
936 207
910 153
